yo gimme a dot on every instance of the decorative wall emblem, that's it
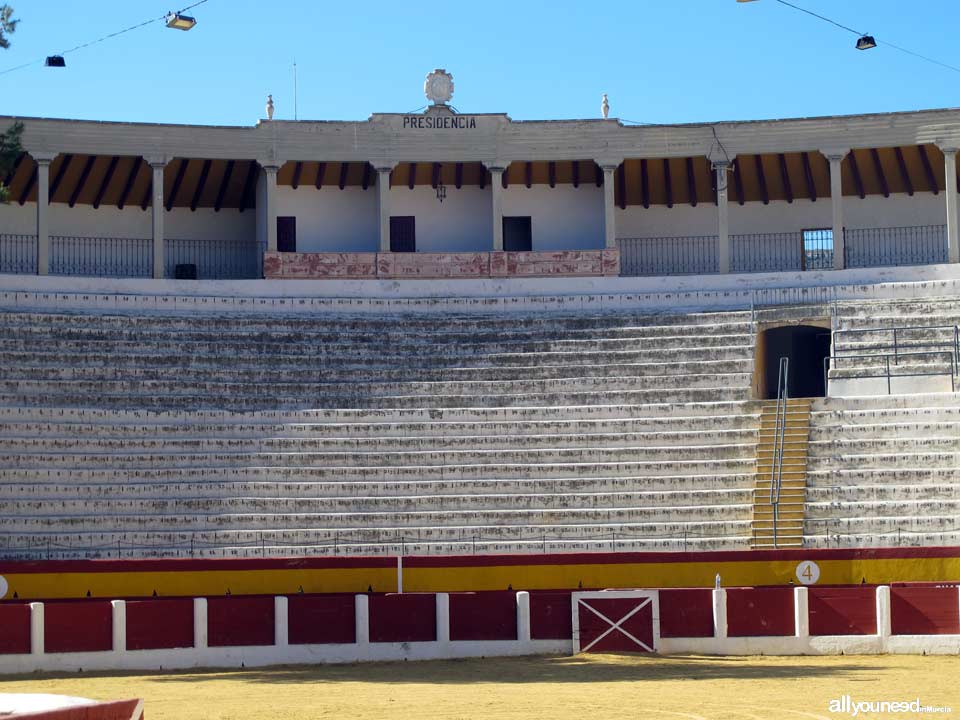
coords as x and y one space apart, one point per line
438 87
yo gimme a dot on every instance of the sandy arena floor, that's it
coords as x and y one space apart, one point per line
582 687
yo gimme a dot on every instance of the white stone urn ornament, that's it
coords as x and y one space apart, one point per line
438 87
269 107
605 107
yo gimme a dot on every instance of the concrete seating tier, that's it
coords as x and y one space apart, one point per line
884 472
211 436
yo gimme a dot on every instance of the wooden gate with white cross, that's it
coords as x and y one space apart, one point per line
616 621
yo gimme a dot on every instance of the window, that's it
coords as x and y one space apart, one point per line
517 234
403 233
818 249
286 234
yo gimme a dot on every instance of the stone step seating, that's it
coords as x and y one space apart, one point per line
209 436
884 471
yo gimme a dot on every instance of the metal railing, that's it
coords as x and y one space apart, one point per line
776 463
669 255
101 257
900 336
18 254
879 247
865 374
215 259
765 252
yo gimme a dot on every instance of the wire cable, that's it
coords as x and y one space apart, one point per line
105 37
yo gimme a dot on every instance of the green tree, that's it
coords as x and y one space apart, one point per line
10 148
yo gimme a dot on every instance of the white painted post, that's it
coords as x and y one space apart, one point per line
496 193
523 616
801 613
281 626
36 629
200 623
720 614
836 202
721 168
609 205
43 215
362 620
119 625
400 574
884 625
953 241
443 617
159 258
383 202
270 172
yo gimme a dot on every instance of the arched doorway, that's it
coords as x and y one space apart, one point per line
806 346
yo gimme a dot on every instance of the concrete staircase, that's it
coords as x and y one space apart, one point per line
787 531
164 435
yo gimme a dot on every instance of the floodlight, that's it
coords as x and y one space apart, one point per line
866 43
55 61
176 21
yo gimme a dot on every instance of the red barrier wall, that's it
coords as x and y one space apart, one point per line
321 619
119 710
15 625
550 616
233 621
924 611
159 624
760 612
85 626
483 616
843 610
411 617
686 613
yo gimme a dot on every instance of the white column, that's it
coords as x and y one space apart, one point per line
362 619
383 203
523 617
200 623
836 202
281 614
43 218
609 205
496 194
443 618
953 241
119 625
720 614
723 216
270 172
400 574
159 257
36 629
884 625
801 612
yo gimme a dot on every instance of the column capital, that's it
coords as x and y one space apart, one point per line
721 163
270 168
43 158
835 154
382 166
949 149
496 165
608 164
156 161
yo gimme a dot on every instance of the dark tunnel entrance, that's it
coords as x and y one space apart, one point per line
806 346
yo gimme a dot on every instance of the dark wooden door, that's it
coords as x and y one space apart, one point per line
403 233
517 234
286 234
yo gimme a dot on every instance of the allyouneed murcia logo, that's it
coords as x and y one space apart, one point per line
853 708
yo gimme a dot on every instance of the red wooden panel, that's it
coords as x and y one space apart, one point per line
322 619
85 626
686 613
924 611
410 617
759 612
550 617
159 624
483 616
14 629
843 610
233 621
626 625
119 710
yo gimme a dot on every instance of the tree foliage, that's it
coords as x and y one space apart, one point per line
8 25
10 147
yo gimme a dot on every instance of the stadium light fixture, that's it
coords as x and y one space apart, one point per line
866 42
176 21
55 61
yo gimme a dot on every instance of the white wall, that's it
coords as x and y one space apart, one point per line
563 218
131 222
899 210
463 222
331 219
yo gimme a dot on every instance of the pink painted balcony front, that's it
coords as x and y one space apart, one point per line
371 266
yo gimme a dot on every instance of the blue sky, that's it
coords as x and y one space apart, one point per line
664 61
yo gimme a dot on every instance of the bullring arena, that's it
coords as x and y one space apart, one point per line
477 416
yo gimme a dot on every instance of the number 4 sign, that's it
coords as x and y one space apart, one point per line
808 572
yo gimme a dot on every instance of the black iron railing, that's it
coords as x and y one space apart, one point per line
765 252
669 255
889 367
18 254
214 259
779 437
879 247
101 257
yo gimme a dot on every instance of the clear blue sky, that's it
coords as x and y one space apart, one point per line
663 61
